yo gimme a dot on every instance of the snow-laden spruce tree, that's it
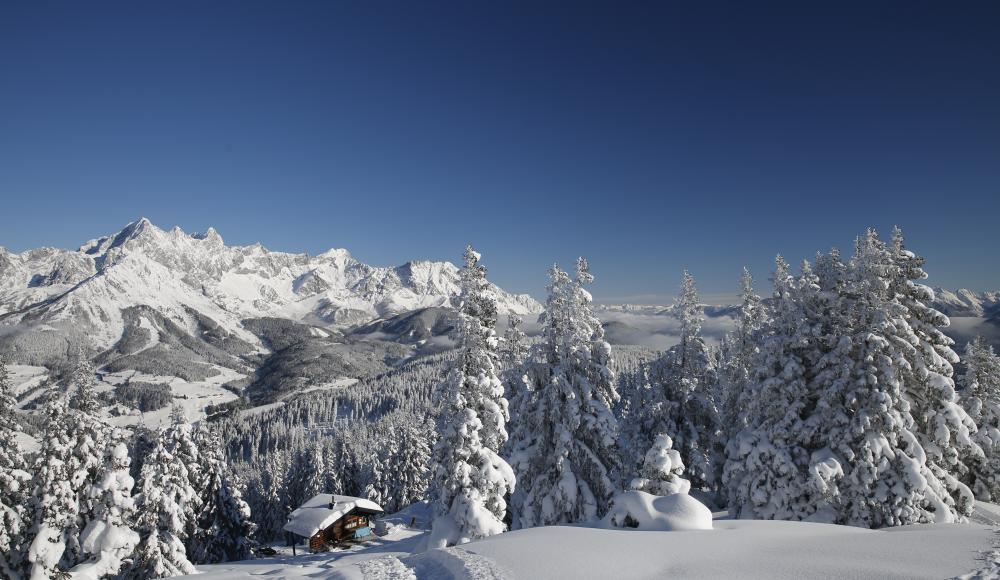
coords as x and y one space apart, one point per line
563 447
981 399
514 348
224 531
471 480
54 504
871 455
165 502
108 539
682 385
942 426
769 471
92 437
830 433
662 469
409 467
14 480
376 476
738 351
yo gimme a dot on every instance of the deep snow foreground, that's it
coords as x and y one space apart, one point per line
734 549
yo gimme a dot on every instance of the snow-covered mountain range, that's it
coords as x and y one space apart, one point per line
190 277
967 302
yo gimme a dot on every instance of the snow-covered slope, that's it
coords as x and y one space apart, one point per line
182 276
734 549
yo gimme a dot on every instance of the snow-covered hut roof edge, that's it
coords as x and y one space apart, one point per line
317 514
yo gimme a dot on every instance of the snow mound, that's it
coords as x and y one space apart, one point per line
643 511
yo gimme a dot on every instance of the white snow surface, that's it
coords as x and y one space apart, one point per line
744 549
644 511
316 514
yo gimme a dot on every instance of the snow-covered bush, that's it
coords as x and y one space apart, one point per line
661 470
643 511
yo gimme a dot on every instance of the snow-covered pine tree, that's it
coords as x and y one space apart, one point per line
224 528
769 466
471 480
942 426
182 446
54 504
377 479
263 495
662 469
82 381
683 386
108 539
564 441
164 504
513 348
513 352
14 480
981 399
409 467
871 468
738 352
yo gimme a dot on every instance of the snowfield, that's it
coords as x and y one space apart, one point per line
734 549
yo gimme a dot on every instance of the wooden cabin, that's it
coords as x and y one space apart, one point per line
328 520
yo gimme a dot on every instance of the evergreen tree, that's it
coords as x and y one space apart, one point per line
662 469
224 528
265 499
849 362
92 446
471 480
564 441
13 480
683 383
872 452
165 499
54 504
738 351
514 350
377 479
981 399
108 539
768 470
409 468
942 426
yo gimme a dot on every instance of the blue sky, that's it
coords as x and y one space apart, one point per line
648 136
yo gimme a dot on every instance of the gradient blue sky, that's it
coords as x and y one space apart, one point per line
646 136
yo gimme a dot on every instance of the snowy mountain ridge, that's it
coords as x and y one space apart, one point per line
174 273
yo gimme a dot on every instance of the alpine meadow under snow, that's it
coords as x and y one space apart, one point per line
167 402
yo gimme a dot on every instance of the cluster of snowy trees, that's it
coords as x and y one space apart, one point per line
75 510
850 411
385 460
835 400
562 450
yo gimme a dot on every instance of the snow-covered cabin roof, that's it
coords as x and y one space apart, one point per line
317 513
